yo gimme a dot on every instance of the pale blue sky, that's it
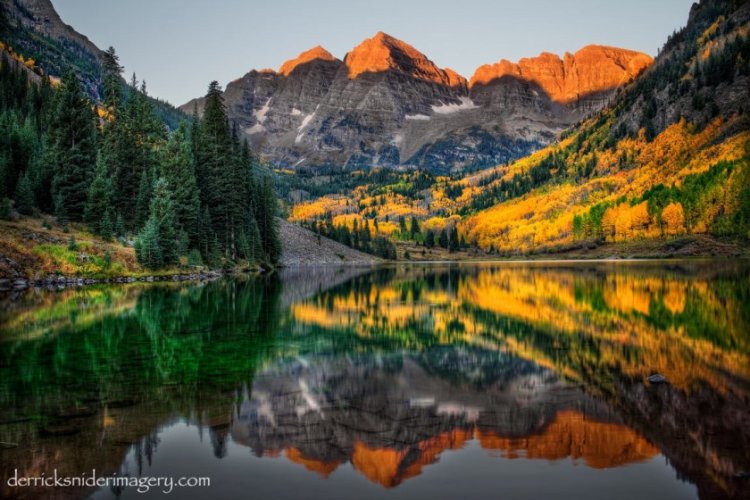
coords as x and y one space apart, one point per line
179 46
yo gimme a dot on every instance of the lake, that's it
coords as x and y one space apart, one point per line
509 380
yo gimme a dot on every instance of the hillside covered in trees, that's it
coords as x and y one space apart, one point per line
668 158
194 195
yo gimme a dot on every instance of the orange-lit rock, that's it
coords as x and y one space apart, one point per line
314 53
594 68
601 445
383 52
387 467
322 467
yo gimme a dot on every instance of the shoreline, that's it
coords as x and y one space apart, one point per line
60 282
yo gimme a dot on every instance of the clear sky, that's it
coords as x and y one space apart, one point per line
179 46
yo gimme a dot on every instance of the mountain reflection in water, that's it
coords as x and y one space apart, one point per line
387 374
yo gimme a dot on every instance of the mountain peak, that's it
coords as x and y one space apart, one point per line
593 68
312 54
384 52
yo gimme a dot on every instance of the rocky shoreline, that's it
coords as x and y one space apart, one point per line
53 282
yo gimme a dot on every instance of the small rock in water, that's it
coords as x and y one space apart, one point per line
657 378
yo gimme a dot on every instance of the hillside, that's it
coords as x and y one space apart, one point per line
670 157
34 248
386 104
34 29
667 158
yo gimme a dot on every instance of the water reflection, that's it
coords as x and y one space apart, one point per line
389 416
386 375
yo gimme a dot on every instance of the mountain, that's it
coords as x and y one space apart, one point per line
665 159
669 159
33 29
387 104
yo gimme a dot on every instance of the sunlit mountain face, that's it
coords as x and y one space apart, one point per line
529 379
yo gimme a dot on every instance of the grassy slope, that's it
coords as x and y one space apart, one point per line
29 249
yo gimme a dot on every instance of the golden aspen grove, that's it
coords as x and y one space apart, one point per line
667 159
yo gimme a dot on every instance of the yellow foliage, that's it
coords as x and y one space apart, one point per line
674 218
543 218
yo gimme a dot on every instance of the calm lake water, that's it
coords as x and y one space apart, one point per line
413 381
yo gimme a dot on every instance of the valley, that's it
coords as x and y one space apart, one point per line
605 152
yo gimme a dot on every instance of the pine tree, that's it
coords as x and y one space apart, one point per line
402 225
119 226
99 199
414 227
143 199
265 215
453 243
3 176
162 215
429 240
24 196
111 82
147 248
443 239
178 170
41 173
61 212
215 167
105 226
131 142
74 136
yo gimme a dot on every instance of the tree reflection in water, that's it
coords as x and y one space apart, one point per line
387 370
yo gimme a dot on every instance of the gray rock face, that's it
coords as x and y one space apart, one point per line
386 104
328 407
305 248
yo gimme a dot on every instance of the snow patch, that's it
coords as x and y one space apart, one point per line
426 402
471 413
445 109
255 129
417 117
296 112
264 408
310 403
305 121
260 115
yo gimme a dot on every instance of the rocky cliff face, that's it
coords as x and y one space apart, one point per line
36 30
580 81
387 104
392 415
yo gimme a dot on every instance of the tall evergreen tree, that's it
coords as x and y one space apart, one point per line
143 199
136 136
24 196
147 248
162 212
414 227
265 215
111 82
99 199
178 170
74 136
453 243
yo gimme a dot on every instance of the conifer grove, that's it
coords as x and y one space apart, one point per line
192 195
